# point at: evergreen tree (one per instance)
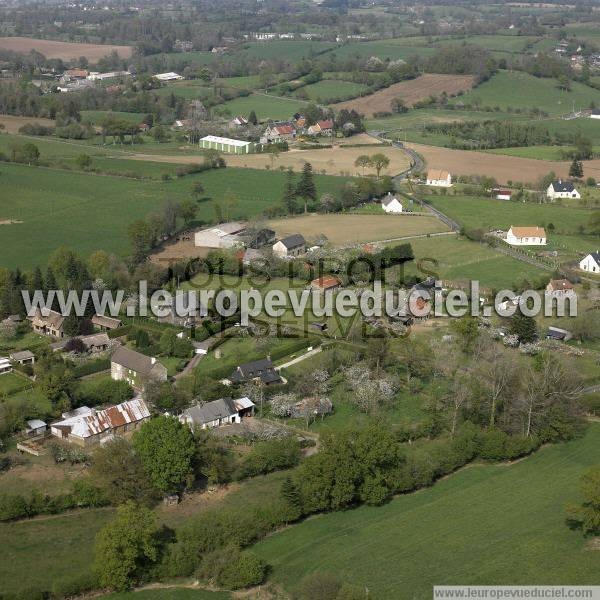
(291, 498)
(252, 118)
(306, 188)
(524, 327)
(37, 282)
(576, 168)
(289, 193)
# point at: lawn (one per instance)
(90, 212)
(11, 383)
(35, 553)
(492, 524)
(521, 90)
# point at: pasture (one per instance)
(410, 91)
(327, 90)
(524, 91)
(264, 105)
(350, 229)
(97, 116)
(458, 259)
(486, 524)
(12, 124)
(31, 550)
(499, 214)
(291, 50)
(394, 49)
(90, 212)
(64, 50)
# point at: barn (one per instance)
(231, 146)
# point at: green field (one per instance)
(495, 43)
(394, 49)
(57, 547)
(97, 116)
(495, 214)
(265, 106)
(521, 90)
(195, 89)
(537, 152)
(327, 89)
(10, 383)
(459, 259)
(291, 50)
(91, 212)
(492, 524)
(246, 82)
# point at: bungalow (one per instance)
(217, 413)
(562, 189)
(229, 145)
(526, 236)
(391, 204)
(106, 323)
(439, 178)
(24, 357)
(258, 370)
(52, 324)
(135, 368)
(86, 426)
(34, 428)
(322, 284)
(555, 333)
(293, 245)
(5, 366)
(502, 194)
(591, 263)
(559, 287)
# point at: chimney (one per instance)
(153, 360)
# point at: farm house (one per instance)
(228, 145)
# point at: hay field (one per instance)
(410, 91)
(348, 229)
(504, 168)
(62, 50)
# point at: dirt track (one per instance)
(410, 91)
(63, 50)
(503, 168)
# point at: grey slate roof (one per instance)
(293, 241)
(563, 186)
(130, 359)
(211, 411)
(263, 368)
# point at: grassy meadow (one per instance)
(521, 90)
(90, 212)
(265, 106)
(487, 524)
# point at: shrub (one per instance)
(231, 568)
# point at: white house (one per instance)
(439, 178)
(595, 114)
(217, 413)
(562, 189)
(591, 263)
(502, 194)
(293, 245)
(391, 204)
(526, 236)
